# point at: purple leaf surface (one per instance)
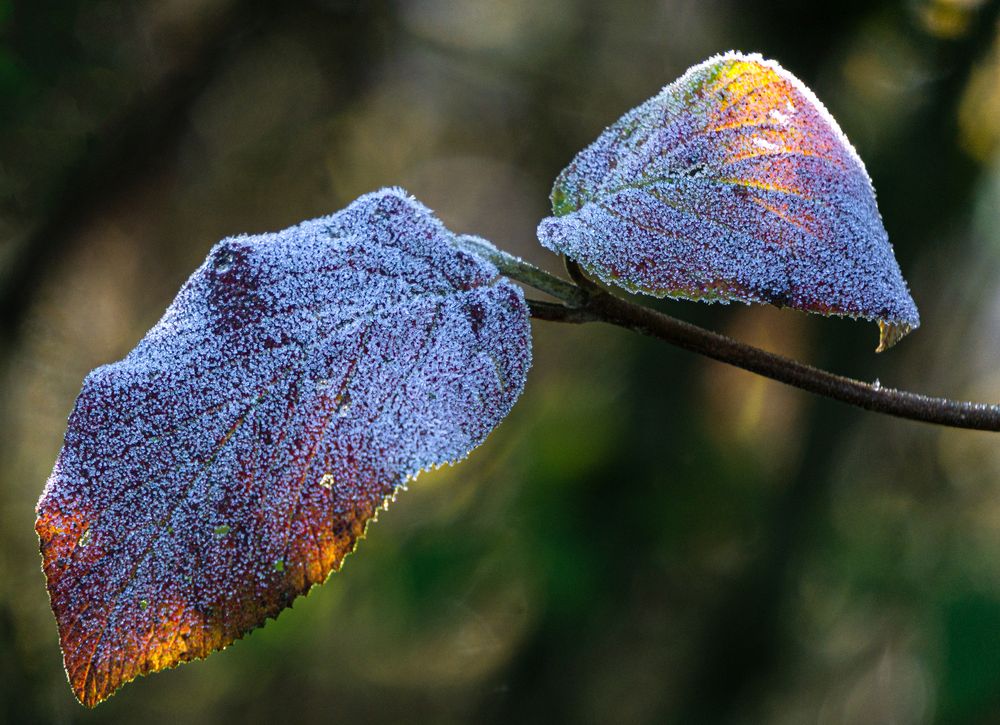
(234, 457)
(733, 183)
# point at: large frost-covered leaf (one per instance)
(733, 183)
(235, 456)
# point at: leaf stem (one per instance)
(521, 271)
(600, 306)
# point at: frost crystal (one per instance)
(215, 473)
(733, 183)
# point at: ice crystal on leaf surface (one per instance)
(235, 456)
(733, 183)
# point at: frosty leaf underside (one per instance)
(734, 183)
(235, 457)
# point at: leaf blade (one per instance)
(732, 184)
(296, 381)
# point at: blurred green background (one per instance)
(649, 537)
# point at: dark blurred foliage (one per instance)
(650, 537)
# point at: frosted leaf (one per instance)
(234, 457)
(733, 183)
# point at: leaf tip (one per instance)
(889, 333)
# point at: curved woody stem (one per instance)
(585, 301)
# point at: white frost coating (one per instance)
(733, 183)
(297, 379)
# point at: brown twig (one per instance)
(600, 306)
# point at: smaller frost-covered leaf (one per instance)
(733, 183)
(235, 456)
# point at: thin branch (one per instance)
(553, 312)
(600, 306)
